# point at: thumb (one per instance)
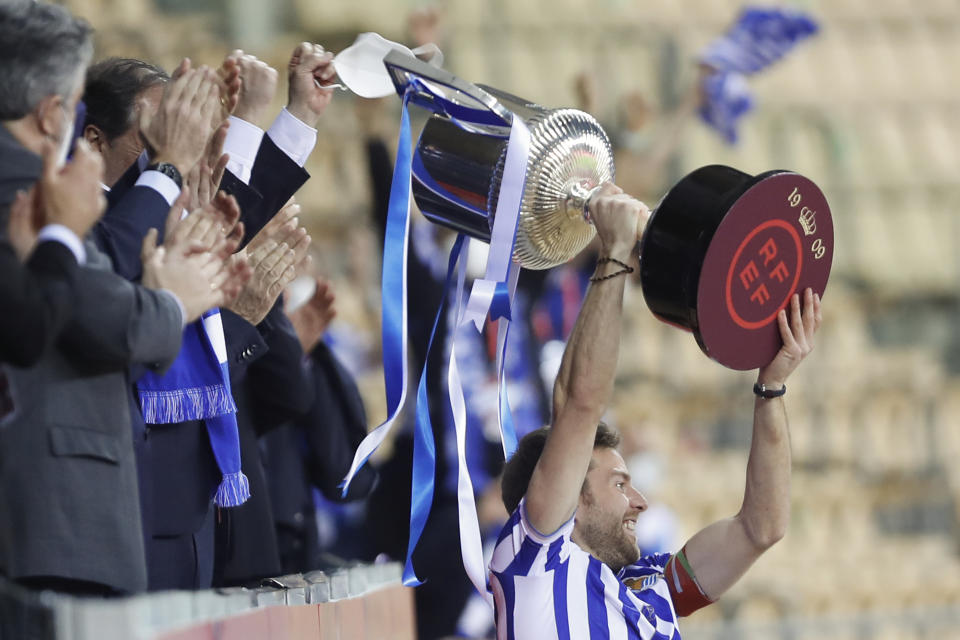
(642, 220)
(175, 213)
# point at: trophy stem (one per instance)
(578, 199)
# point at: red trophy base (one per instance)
(724, 252)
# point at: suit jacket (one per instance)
(180, 501)
(68, 486)
(37, 299)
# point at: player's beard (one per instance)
(605, 535)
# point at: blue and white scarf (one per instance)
(760, 37)
(197, 387)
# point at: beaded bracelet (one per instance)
(626, 269)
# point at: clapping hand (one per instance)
(257, 87)
(193, 261)
(274, 256)
(186, 119)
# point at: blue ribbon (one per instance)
(393, 295)
(508, 431)
(394, 256)
(500, 304)
(424, 447)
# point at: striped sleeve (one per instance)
(522, 550)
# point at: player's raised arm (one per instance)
(585, 380)
(722, 552)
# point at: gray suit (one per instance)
(68, 485)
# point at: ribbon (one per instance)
(471, 542)
(393, 297)
(493, 294)
(497, 295)
(424, 447)
(504, 231)
(508, 432)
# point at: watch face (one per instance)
(168, 170)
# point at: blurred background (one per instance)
(868, 108)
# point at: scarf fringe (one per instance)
(233, 491)
(180, 405)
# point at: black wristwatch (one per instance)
(762, 391)
(168, 170)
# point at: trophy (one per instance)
(722, 253)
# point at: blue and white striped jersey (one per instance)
(547, 587)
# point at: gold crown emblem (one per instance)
(808, 221)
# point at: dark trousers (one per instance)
(182, 561)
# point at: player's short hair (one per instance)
(519, 468)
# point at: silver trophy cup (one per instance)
(459, 161)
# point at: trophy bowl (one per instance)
(457, 175)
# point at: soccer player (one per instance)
(567, 564)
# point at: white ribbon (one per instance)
(504, 224)
(471, 543)
(497, 271)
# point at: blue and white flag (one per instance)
(759, 37)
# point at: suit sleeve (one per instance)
(38, 298)
(249, 200)
(119, 233)
(276, 177)
(118, 323)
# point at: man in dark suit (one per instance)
(178, 511)
(183, 517)
(69, 512)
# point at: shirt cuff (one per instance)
(294, 137)
(160, 183)
(66, 237)
(243, 141)
(183, 310)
